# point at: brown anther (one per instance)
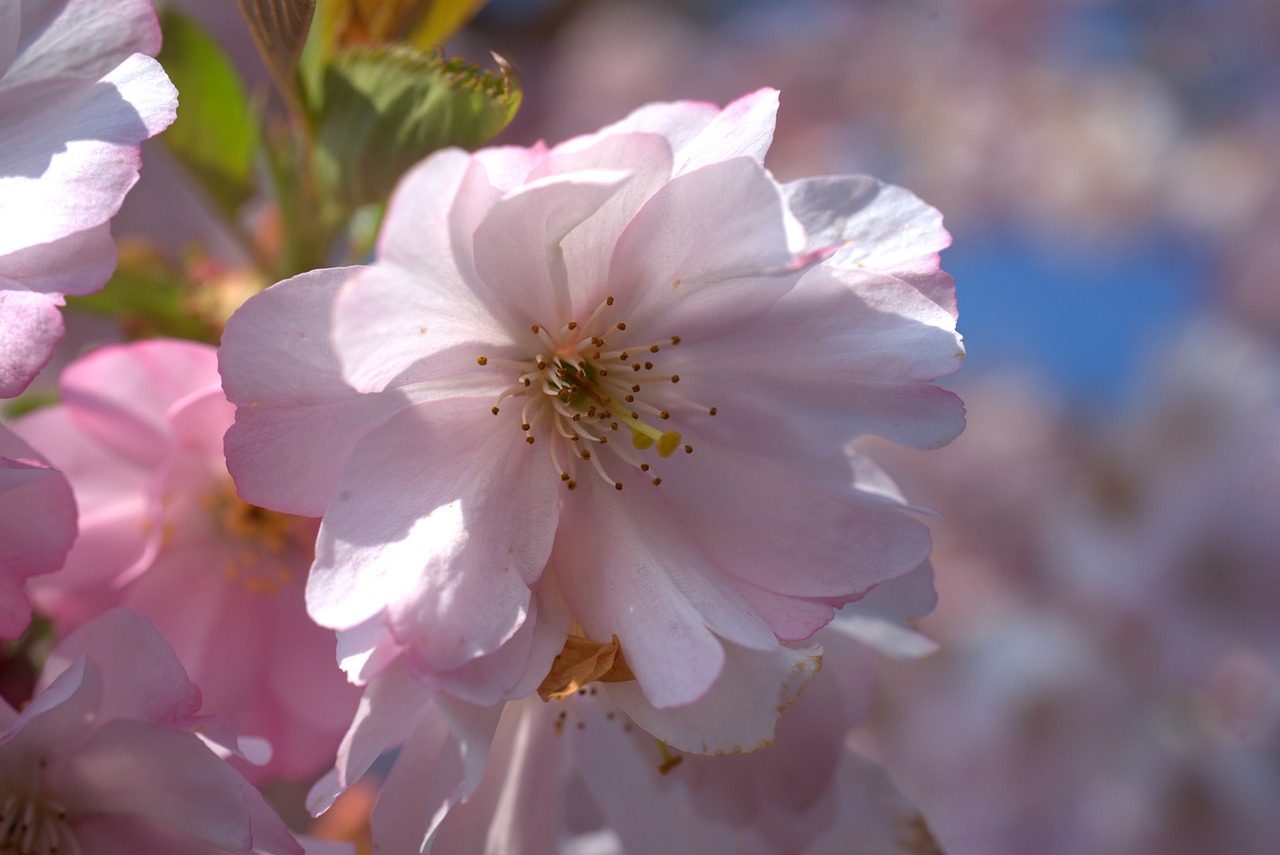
(688, 449)
(482, 360)
(572, 325)
(664, 415)
(644, 467)
(535, 328)
(656, 481)
(525, 426)
(634, 414)
(603, 439)
(585, 454)
(564, 476)
(628, 398)
(624, 356)
(653, 348)
(635, 366)
(542, 366)
(529, 440)
(675, 339)
(495, 411)
(648, 366)
(635, 388)
(613, 425)
(711, 412)
(526, 381)
(675, 378)
(617, 485)
(620, 325)
(571, 484)
(608, 301)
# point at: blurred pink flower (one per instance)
(111, 757)
(139, 436)
(37, 526)
(78, 94)
(485, 415)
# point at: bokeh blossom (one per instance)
(112, 756)
(139, 436)
(79, 92)
(592, 400)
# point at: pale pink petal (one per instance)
(744, 128)
(394, 328)
(276, 348)
(865, 539)
(515, 669)
(73, 155)
(391, 707)
(878, 227)
(518, 242)
(880, 619)
(30, 327)
(118, 531)
(587, 250)
(37, 526)
(142, 677)
(164, 776)
(76, 264)
(739, 711)
(444, 530)
(701, 133)
(121, 395)
(515, 808)
(708, 252)
(63, 714)
(80, 38)
(888, 341)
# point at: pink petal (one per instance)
(142, 677)
(118, 531)
(878, 227)
(80, 38)
(850, 353)
(79, 263)
(37, 526)
(864, 539)
(708, 252)
(121, 394)
(74, 154)
(423, 525)
(163, 776)
(30, 327)
(739, 711)
(290, 455)
(517, 245)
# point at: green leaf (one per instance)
(215, 134)
(386, 108)
(280, 28)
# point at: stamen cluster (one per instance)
(581, 389)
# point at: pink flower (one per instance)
(37, 525)
(78, 94)
(602, 390)
(139, 436)
(111, 757)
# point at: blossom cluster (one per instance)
(562, 470)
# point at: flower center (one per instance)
(265, 546)
(587, 391)
(33, 826)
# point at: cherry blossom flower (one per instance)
(79, 92)
(37, 525)
(591, 401)
(111, 756)
(139, 436)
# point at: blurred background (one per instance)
(1108, 539)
